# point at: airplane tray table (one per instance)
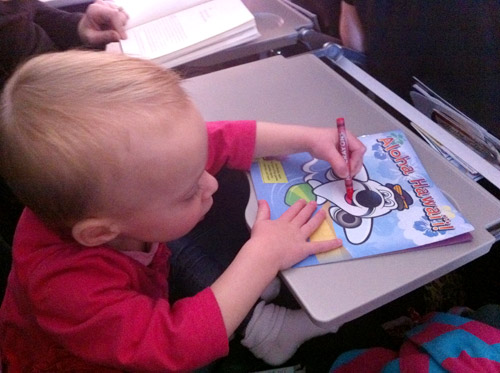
(304, 90)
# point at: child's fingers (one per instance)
(304, 214)
(318, 247)
(293, 210)
(263, 211)
(339, 164)
(313, 223)
(357, 150)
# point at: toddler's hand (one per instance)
(326, 147)
(284, 240)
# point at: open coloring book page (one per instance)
(395, 206)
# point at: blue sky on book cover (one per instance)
(396, 206)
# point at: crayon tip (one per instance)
(348, 196)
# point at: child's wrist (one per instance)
(309, 139)
(264, 257)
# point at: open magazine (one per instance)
(395, 206)
(457, 124)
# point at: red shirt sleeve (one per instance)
(230, 144)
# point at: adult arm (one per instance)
(60, 26)
(102, 23)
(350, 28)
(21, 36)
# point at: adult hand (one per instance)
(103, 22)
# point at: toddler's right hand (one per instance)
(284, 240)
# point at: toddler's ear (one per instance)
(94, 231)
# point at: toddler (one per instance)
(112, 160)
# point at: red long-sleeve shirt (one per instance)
(69, 307)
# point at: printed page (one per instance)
(173, 34)
(144, 11)
(206, 48)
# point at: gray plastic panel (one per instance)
(304, 90)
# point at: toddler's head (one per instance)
(96, 137)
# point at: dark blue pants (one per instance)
(201, 256)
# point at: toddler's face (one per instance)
(168, 191)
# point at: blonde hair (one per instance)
(66, 116)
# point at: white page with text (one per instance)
(172, 34)
(144, 11)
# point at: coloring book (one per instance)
(395, 206)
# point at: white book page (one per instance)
(144, 11)
(203, 50)
(186, 28)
